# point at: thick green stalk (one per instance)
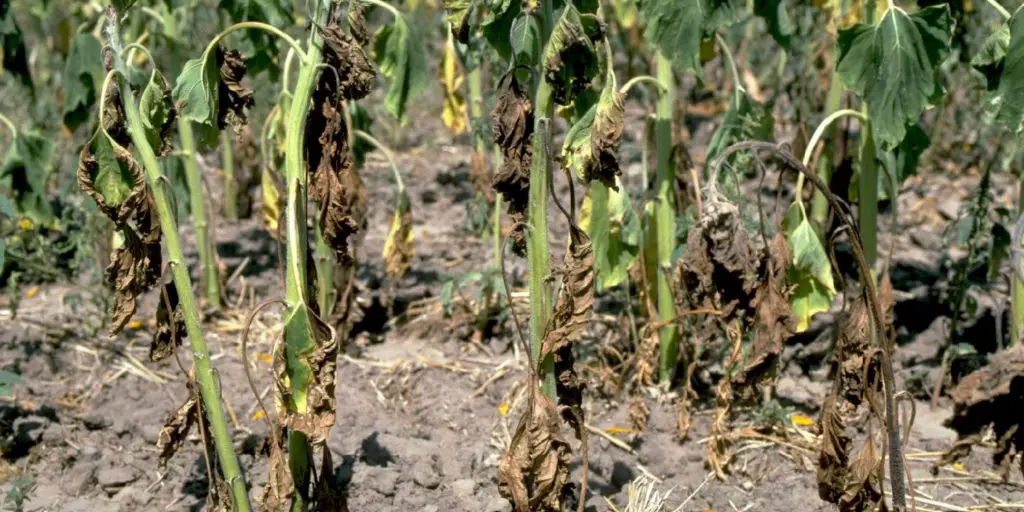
(496, 227)
(819, 208)
(537, 239)
(296, 285)
(1017, 298)
(868, 194)
(476, 107)
(325, 291)
(227, 148)
(204, 242)
(209, 388)
(665, 218)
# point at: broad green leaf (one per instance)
(676, 27)
(497, 32)
(14, 58)
(155, 111)
(7, 379)
(1008, 100)
(614, 228)
(262, 48)
(83, 76)
(114, 180)
(526, 41)
(991, 58)
(746, 119)
(195, 90)
(811, 270)
(399, 51)
(301, 331)
(25, 171)
(893, 64)
(780, 26)
(570, 58)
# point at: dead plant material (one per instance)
(639, 413)
(983, 399)
(346, 56)
(480, 178)
(280, 488)
(512, 125)
(534, 472)
(605, 135)
(318, 419)
(177, 428)
(170, 324)
(399, 249)
(233, 97)
(134, 266)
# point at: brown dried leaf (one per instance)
(534, 472)
(233, 98)
(834, 454)
(176, 428)
(512, 127)
(169, 330)
(280, 487)
(317, 420)
(345, 55)
(863, 489)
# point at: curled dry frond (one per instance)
(176, 428)
(233, 97)
(512, 125)
(345, 54)
(570, 60)
(534, 472)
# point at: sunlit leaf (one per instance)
(811, 270)
(399, 51)
(156, 109)
(1008, 100)
(893, 64)
(398, 247)
(676, 27)
(195, 90)
(454, 111)
(614, 228)
(83, 76)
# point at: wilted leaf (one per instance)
(25, 171)
(343, 53)
(570, 58)
(454, 111)
(811, 270)
(176, 428)
(170, 324)
(158, 114)
(591, 145)
(304, 369)
(398, 248)
(893, 64)
(534, 472)
(270, 203)
(457, 12)
(210, 93)
(676, 27)
(608, 217)
(263, 45)
(512, 127)
(195, 90)
(398, 50)
(83, 77)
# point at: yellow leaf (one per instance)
(398, 248)
(25, 224)
(801, 421)
(618, 430)
(270, 209)
(32, 292)
(265, 357)
(503, 409)
(454, 113)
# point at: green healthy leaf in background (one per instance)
(154, 109)
(526, 41)
(614, 228)
(676, 27)
(780, 26)
(15, 55)
(892, 65)
(1008, 101)
(746, 119)
(398, 50)
(811, 270)
(262, 47)
(83, 76)
(25, 171)
(991, 58)
(195, 91)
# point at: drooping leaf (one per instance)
(534, 472)
(304, 368)
(453, 113)
(195, 90)
(608, 217)
(527, 44)
(811, 270)
(398, 50)
(25, 171)
(780, 26)
(14, 58)
(176, 428)
(746, 119)
(457, 12)
(991, 58)
(512, 125)
(1008, 100)
(676, 27)
(270, 204)
(497, 31)
(157, 109)
(570, 58)
(83, 77)
(591, 145)
(893, 64)
(262, 47)
(398, 247)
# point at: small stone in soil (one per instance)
(381, 480)
(132, 498)
(115, 477)
(424, 474)
(498, 505)
(94, 420)
(463, 488)
(79, 479)
(429, 508)
(54, 433)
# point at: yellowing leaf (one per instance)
(270, 208)
(503, 409)
(398, 248)
(32, 292)
(259, 414)
(454, 112)
(801, 421)
(811, 269)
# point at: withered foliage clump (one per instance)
(170, 324)
(318, 419)
(853, 480)
(512, 125)
(991, 397)
(233, 97)
(177, 427)
(571, 61)
(335, 184)
(604, 140)
(534, 472)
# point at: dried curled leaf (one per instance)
(570, 60)
(170, 324)
(454, 112)
(304, 369)
(982, 399)
(110, 175)
(280, 488)
(398, 248)
(591, 145)
(344, 55)
(156, 105)
(512, 125)
(233, 98)
(534, 472)
(176, 428)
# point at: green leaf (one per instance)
(495, 10)
(526, 41)
(25, 171)
(614, 228)
(398, 50)
(155, 111)
(570, 58)
(456, 12)
(7, 208)
(780, 26)
(991, 58)
(195, 90)
(893, 64)
(113, 180)
(7, 379)
(14, 57)
(497, 32)
(262, 47)
(746, 119)
(676, 27)
(811, 270)
(1008, 101)
(83, 76)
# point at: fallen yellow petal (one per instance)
(259, 414)
(801, 420)
(618, 430)
(265, 357)
(503, 409)
(31, 292)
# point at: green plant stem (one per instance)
(9, 124)
(819, 207)
(665, 218)
(1017, 294)
(204, 242)
(537, 238)
(325, 260)
(227, 144)
(296, 284)
(207, 379)
(476, 106)
(626, 87)
(867, 199)
(496, 227)
(1002, 10)
(826, 124)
